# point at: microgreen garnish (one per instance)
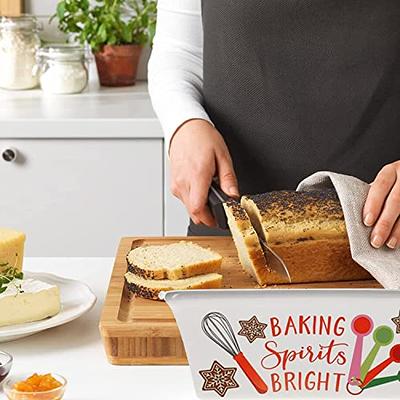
(10, 276)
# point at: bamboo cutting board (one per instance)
(144, 332)
(11, 8)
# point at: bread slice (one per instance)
(173, 261)
(150, 289)
(307, 230)
(246, 240)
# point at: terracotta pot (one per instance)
(117, 65)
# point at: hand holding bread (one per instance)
(382, 208)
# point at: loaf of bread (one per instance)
(173, 261)
(150, 289)
(289, 216)
(246, 240)
(307, 230)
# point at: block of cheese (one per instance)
(11, 248)
(37, 301)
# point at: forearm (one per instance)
(176, 65)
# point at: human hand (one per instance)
(382, 207)
(197, 154)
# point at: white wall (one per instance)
(45, 8)
(40, 7)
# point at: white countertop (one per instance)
(75, 350)
(97, 112)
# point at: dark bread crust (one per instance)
(146, 274)
(142, 291)
(238, 212)
(291, 206)
(287, 216)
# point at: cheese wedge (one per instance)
(11, 248)
(37, 301)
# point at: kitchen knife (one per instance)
(216, 198)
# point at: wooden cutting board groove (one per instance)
(144, 332)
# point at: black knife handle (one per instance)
(216, 198)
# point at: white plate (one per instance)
(76, 300)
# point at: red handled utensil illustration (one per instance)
(383, 336)
(394, 357)
(362, 325)
(217, 327)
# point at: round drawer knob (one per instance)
(9, 154)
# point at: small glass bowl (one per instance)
(5, 365)
(53, 394)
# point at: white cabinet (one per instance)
(77, 197)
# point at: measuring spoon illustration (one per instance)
(383, 336)
(362, 325)
(383, 381)
(394, 357)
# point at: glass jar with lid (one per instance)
(19, 41)
(63, 69)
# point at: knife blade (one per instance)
(216, 198)
(274, 261)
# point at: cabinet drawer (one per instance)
(77, 197)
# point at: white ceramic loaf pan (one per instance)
(297, 344)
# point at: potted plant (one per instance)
(115, 30)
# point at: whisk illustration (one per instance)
(217, 327)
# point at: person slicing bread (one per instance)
(263, 94)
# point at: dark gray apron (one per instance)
(297, 86)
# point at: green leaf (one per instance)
(112, 40)
(61, 10)
(102, 33)
(8, 277)
(19, 275)
(108, 21)
(152, 33)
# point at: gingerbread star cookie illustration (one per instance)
(219, 379)
(396, 321)
(252, 329)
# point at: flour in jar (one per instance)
(63, 69)
(18, 59)
(64, 78)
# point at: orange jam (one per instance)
(37, 383)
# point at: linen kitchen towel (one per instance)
(383, 264)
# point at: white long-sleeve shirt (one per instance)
(175, 70)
